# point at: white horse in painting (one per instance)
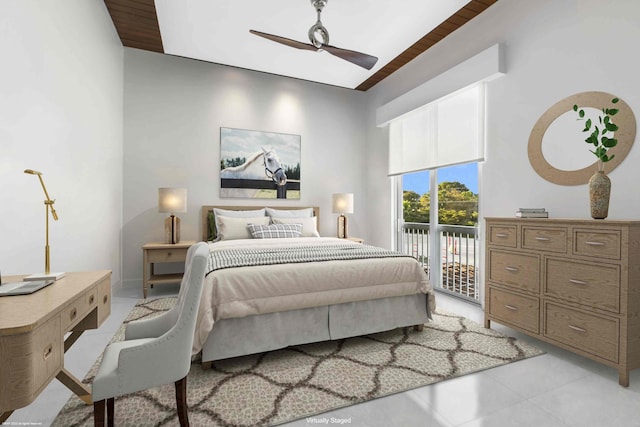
(270, 169)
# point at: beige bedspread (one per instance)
(245, 291)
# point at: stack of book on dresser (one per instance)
(532, 213)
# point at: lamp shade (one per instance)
(172, 200)
(342, 203)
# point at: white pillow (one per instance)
(309, 225)
(254, 213)
(290, 213)
(279, 231)
(240, 214)
(230, 228)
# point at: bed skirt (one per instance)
(265, 332)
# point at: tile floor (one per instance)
(555, 389)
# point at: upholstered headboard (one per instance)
(207, 209)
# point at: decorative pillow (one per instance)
(211, 226)
(309, 225)
(230, 228)
(275, 231)
(254, 213)
(290, 213)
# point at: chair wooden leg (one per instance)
(181, 402)
(110, 412)
(98, 413)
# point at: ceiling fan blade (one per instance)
(358, 58)
(285, 41)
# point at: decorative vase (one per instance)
(599, 191)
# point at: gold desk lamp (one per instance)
(49, 206)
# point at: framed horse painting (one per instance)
(256, 164)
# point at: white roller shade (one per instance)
(411, 143)
(446, 132)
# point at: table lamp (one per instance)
(47, 275)
(342, 204)
(172, 201)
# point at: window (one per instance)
(434, 129)
(458, 195)
(441, 231)
(436, 151)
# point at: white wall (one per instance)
(553, 49)
(174, 108)
(61, 85)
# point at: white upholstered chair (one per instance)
(155, 351)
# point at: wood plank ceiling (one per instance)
(137, 25)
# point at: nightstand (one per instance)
(356, 239)
(154, 253)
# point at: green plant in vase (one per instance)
(601, 135)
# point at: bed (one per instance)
(326, 289)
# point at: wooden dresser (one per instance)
(573, 283)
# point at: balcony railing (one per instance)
(458, 250)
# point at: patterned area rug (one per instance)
(296, 382)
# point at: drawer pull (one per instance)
(91, 299)
(47, 351)
(510, 307)
(168, 253)
(577, 282)
(542, 239)
(502, 235)
(511, 268)
(577, 329)
(594, 243)
(105, 299)
(73, 314)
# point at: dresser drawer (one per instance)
(545, 239)
(593, 285)
(588, 332)
(515, 309)
(600, 244)
(503, 235)
(104, 299)
(521, 271)
(28, 362)
(75, 312)
(48, 356)
(167, 255)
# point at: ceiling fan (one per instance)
(319, 38)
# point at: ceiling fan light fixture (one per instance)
(319, 4)
(319, 38)
(318, 35)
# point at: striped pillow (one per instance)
(275, 230)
